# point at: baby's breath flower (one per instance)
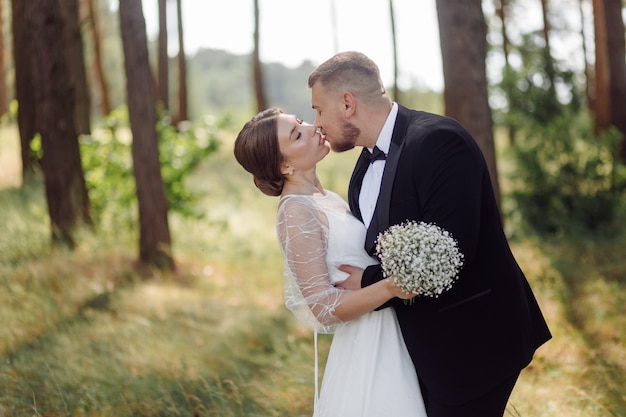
(422, 258)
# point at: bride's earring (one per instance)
(291, 171)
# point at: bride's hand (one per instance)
(397, 291)
(353, 282)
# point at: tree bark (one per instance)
(24, 84)
(66, 192)
(396, 90)
(76, 66)
(4, 103)
(463, 36)
(549, 62)
(101, 80)
(616, 50)
(602, 110)
(154, 240)
(501, 11)
(163, 67)
(589, 95)
(259, 88)
(502, 8)
(183, 113)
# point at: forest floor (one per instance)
(87, 333)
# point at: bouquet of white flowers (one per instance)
(422, 258)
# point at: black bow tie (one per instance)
(375, 155)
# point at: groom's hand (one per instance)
(353, 282)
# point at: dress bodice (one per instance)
(346, 235)
(317, 234)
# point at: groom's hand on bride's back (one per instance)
(353, 282)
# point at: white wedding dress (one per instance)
(368, 372)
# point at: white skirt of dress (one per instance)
(369, 372)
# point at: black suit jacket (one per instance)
(488, 326)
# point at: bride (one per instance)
(368, 371)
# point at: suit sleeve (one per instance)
(450, 174)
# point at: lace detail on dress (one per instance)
(303, 232)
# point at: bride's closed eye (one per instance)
(299, 121)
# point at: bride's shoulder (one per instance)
(298, 205)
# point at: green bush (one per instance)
(107, 162)
(567, 179)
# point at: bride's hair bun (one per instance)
(256, 149)
(268, 187)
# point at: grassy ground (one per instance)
(86, 334)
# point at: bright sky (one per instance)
(296, 30)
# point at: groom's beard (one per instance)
(350, 135)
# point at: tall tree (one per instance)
(501, 11)
(66, 192)
(587, 70)
(547, 52)
(76, 66)
(154, 240)
(463, 37)
(183, 113)
(163, 67)
(602, 87)
(24, 84)
(259, 88)
(105, 100)
(616, 48)
(508, 81)
(396, 90)
(4, 104)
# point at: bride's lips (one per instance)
(322, 136)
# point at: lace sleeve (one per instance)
(302, 229)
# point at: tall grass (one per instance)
(86, 333)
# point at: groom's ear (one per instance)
(349, 104)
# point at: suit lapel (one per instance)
(380, 219)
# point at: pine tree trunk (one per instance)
(76, 66)
(101, 80)
(4, 104)
(587, 71)
(183, 112)
(24, 84)
(602, 109)
(463, 35)
(66, 192)
(154, 240)
(163, 67)
(396, 90)
(617, 68)
(259, 88)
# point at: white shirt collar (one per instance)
(384, 138)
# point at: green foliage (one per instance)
(180, 153)
(567, 180)
(108, 166)
(536, 91)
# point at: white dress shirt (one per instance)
(374, 174)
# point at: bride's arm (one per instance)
(303, 233)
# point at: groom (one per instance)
(470, 344)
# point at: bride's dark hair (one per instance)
(256, 149)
